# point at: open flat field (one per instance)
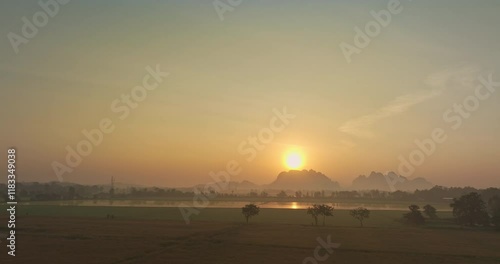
(144, 235)
(281, 216)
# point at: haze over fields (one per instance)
(250, 131)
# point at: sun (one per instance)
(294, 160)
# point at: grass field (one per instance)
(54, 234)
(283, 216)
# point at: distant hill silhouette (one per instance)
(303, 180)
(312, 180)
(379, 181)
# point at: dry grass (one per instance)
(96, 240)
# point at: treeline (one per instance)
(65, 191)
(468, 210)
(435, 194)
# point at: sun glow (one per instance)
(293, 160)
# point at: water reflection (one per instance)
(231, 204)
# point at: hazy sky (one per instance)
(226, 77)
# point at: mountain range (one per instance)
(389, 182)
(312, 180)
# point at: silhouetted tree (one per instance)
(360, 213)
(314, 211)
(112, 189)
(325, 210)
(250, 210)
(430, 211)
(71, 192)
(414, 216)
(470, 210)
(282, 194)
(494, 207)
(253, 194)
(320, 209)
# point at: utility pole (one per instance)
(112, 190)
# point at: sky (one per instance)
(225, 73)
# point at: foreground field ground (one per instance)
(219, 236)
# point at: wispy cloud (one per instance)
(460, 76)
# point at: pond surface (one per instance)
(233, 204)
